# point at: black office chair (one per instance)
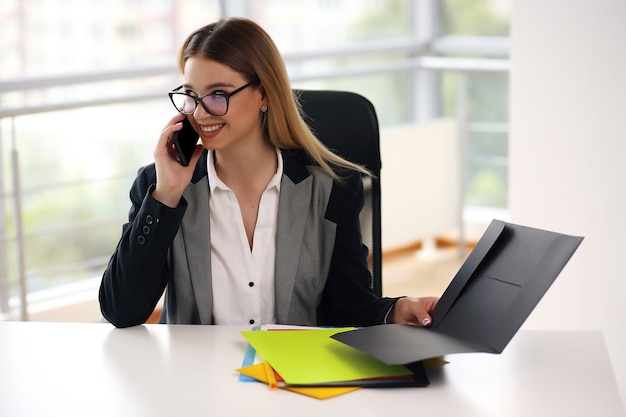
(347, 124)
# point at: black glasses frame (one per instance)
(199, 100)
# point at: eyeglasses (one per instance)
(214, 103)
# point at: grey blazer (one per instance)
(321, 274)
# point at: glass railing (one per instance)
(70, 147)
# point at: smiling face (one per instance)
(241, 125)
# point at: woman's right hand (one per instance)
(172, 177)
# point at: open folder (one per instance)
(493, 293)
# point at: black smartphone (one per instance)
(185, 141)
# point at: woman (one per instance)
(262, 225)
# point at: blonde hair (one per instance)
(244, 46)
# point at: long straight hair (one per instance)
(244, 46)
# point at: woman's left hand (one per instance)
(413, 310)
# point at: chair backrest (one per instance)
(347, 124)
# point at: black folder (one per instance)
(492, 294)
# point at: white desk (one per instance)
(72, 369)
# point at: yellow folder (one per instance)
(259, 372)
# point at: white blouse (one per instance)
(243, 279)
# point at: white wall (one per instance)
(568, 156)
(430, 152)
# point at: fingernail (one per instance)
(425, 322)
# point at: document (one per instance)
(493, 293)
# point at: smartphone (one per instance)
(185, 141)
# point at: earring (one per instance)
(264, 108)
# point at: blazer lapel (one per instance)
(293, 210)
(195, 228)
(196, 237)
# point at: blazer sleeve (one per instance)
(137, 272)
(347, 298)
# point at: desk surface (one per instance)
(72, 369)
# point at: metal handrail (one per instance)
(432, 63)
(31, 83)
(490, 47)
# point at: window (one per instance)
(71, 212)
(480, 29)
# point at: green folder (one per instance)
(312, 357)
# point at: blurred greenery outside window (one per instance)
(487, 96)
(71, 227)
